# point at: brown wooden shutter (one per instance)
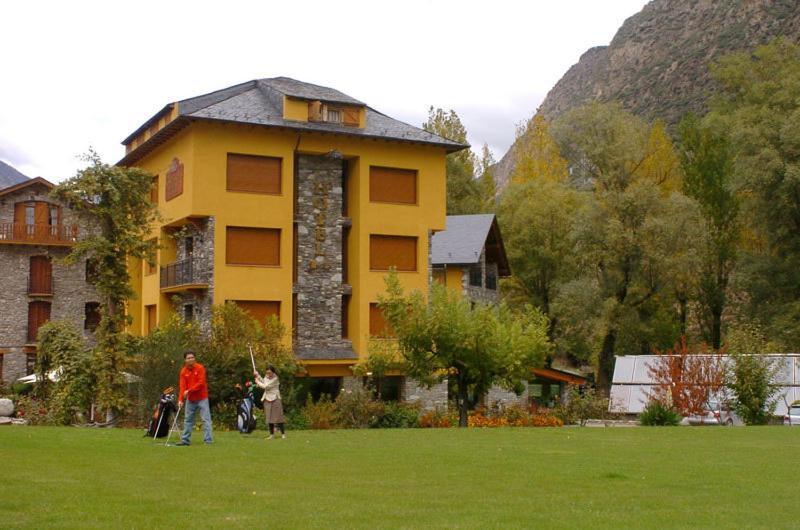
(378, 327)
(19, 213)
(392, 185)
(392, 251)
(174, 184)
(41, 275)
(350, 116)
(260, 310)
(252, 246)
(255, 174)
(38, 315)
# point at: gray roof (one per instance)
(260, 102)
(462, 240)
(9, 175)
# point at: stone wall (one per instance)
(500, 397)
(202, 236)
(318, 214)
(434, 398)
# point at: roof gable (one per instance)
(38, 181)
(465, 237)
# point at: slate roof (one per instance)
(462, 240)
(10, 175)
(260, 102)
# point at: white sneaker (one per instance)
(270, 437)
(283, 436)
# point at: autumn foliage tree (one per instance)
(686, 379)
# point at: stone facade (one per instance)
(434, 398)
(70, 293)
(319, 287)
(201, 301)
(499, 397)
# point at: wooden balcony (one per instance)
(38, 234)
(180, 276)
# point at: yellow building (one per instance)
(290, 199)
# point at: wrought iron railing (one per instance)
(178, 273)
(37, 233)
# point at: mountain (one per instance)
(657, 64)
(9, 175)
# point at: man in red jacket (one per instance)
(194, 390)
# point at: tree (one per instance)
(115, 202)
(757, 104)
(537, 154)
(63, 348)
(486, 182)
(445, 337)
(463, 193)
(687, 379)
(630, 231)
(537, 217)
(707, 160)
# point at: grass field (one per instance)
(414, 478)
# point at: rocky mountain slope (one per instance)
(657, 63)
(9, 175)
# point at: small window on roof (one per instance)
(334, 116)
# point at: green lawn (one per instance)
(447, 478)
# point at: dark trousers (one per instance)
(280, 426)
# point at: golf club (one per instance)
(174, 423)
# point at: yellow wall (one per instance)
(453, 275)
(203, 147)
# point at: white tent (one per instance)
(54, 375)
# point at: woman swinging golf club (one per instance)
(273, 407)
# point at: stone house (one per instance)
(36, 232)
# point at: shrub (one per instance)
(322, 414)
(21, 389)
(437, 419)
(33, 410)
(356, 409)
(751, 380)
(582, 404)
(297, 420)
(658, 414)
(223, 416)
(397, 415)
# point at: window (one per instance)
(378, 327)
(38, 315)
(392, 251)
(254, 174)
(260, 310)
(476, 276)
(188, 312)
(154, 190)
(91, 271)
(30, 363)
(392, 185)
(91, 317)
(252, 246)
(345, 308)
(1, 366)
(40, 279)
(53, 217)
(491, 277)
(334, 116)
(150, 321)
(386, 388)
(188, 246)
(151, 263)
(30, 214)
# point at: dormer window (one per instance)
(334, 116)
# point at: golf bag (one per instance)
(160, 420)
(245, 413)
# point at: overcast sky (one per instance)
(78, 74)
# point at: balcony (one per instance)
(181, 276)
(37, 234)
